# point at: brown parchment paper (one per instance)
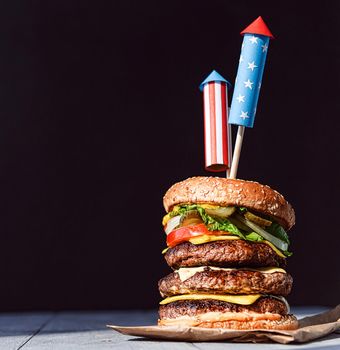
(310, 328)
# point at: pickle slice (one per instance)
(256, 219)
(222, 212)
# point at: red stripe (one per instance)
(224, 124)
(212, 122)
(205, 132)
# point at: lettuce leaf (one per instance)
(254, 237)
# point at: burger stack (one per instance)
(227, 245)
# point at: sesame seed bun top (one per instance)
(231, 192)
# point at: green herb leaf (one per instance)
(276, 230)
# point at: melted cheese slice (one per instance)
(187, 272)
(211, 238)
(165, 219)
(235, 299)
(276, 250)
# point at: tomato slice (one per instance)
(185, 233)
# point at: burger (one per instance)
(227, 245)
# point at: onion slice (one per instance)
(266, 235)
(172, 224)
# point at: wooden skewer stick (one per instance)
(237, 152)
(227, 173)
(230, 149)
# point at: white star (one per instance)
(242, 45)
(253, 39)
(244, 115)
(264, 47)
(241, 59)
(248, 84)
(252, 66)
(260, 85)
(240, 98)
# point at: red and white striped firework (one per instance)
(217, 131)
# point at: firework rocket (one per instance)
(217, 132)
(248, 81)
(249, 74)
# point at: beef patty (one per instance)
(195, 307)
(227, 282)
(224, 254)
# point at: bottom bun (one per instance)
(287, 322)
(266, 313)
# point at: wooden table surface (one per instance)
(86, 330)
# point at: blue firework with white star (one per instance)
(248, 79)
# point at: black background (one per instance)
(100, 113)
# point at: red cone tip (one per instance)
(258, 27)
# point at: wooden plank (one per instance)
(84, 330)
(17, 329)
